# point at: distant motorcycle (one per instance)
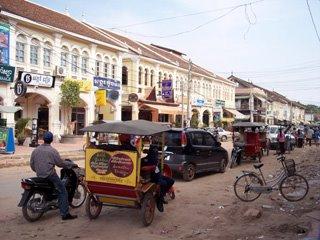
(40, 195)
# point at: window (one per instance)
(196, 138)
(146, 77)
(74, 63)
(46, 57)
(84, 65)
(173, 139)
(64, 59)
(160, 80)
(163, 117)
(98, 68)
(113, 71)
(208, 140)
(20, 48)
(140, 75)
(124, 75)
(34, 54)
(151, 78)
(106, 69)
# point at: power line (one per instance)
(314, 25)
(184, 15)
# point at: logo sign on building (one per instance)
(35, 79)
(106, 83)
(199, 102)
(4, 43)
(20, 88)
(166, 89)
(220, 103)
(101, 99)
(113, 95)
(6, 73)
(133, 97)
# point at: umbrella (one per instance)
(134, 127)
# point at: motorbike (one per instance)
(40, 195)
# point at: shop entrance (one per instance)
(126, 113)
(145, 115)
(78, 117)
(43, 118)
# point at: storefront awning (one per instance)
(9, 109)
(238, 115)
(260, 98)
(163, 109)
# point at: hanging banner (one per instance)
(167, 89)
(116, 167)
(101, 99)
(4, 43)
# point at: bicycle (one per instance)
(293, 187)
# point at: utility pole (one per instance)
(188, 94)
(182, 104)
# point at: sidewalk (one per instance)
(22, 154)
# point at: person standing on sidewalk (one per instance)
(43, 161)
(281, 141)
(309, 136)
(317, 136)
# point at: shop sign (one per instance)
(133, 97)
(101, 99)
(106, 83)
(6, 140)
(220, 103)
(36, 79)
(6, 73)
(111, 167)
(20, 88)
(4, 43)
(199, 102)
(166, 85)
(113, 95)
(85, 85)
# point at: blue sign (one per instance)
(106, 83)
(199, 102)
(6, 140)
(4, 43)
(166, 88)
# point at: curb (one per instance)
(22, 161)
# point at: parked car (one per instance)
(194, 151)
(224, 135)
(273, 131)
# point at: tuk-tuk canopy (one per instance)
(134, 127)
(248, 124)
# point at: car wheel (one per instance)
(189, 172)
(224, 138)
(223, 166)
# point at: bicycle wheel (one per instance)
(243, 187)
(294, 188)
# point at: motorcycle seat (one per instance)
(258, 165)
(40, 181)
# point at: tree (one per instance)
(194, 122)
(70, 93)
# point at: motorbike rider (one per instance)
(43, 161)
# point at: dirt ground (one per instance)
(205, 208)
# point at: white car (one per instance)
(272, 136)
(224, 135)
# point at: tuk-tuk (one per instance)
(247, 142)
(114, 175)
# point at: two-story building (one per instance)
(47, 47)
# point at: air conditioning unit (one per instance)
(61, 71)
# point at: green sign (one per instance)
(6, 73)
(220, 103)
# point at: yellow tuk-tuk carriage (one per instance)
(114, 175)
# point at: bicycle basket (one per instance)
(290, 166)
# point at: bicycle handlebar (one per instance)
(281, 158)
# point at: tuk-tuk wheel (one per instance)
(148, 208)
(93, 207)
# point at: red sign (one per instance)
(121, 165)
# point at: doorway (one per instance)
(78, 116)
(43, 118)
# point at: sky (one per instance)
(272, 43)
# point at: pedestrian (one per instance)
(317, 136)
(43, 161)
(281, 141)
(309, 135)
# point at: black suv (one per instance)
(194, 151)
